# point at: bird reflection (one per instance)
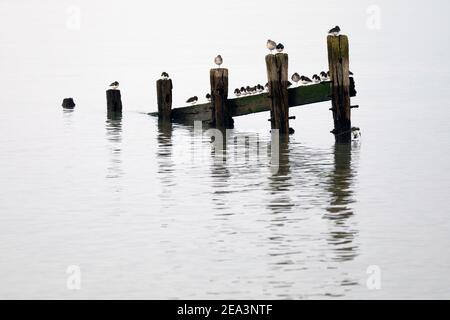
(342, 231)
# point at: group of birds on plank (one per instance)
(271, 45)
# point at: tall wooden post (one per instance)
(114, 100)
(277, 75)
(221, 115)
(338, 61)
(164, 96)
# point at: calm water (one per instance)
(133, 205)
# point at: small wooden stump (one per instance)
(114, 100)
(277, 75)
(68, 103)
(338, 61)
(221, 115)
(164, 96)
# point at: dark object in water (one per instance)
(68, 103)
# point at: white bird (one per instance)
(271, 45)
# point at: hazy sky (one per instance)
(76, 46)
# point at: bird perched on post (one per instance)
(296, 78)
(218, 60)
(208, 96)
(305, 80)
(164, 76)
(192, 100)
(335, 31)
(316, 78)
(114, 85)
(271, 45)
(243, 91)
(237, 92)
(280, 47)
(323, 76)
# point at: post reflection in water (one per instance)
(280, 182)
(115, 170)
(342, 232)
(220, 173)
(166, 165)
(114, 136)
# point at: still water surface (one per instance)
(129, 202)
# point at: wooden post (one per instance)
(68, 103)
(277, 75)
(114, 100)
(164, 96)
(338, 61)
(221, 115)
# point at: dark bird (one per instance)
(164, 76)
(266, 86)
(192, 100)
(243, 91)
(271, 45)
(249, 90)
(260, 88)
(305, 80)
(218, 60)
(237, 92)
(280, 47)
(335, 31)
(296, 78)
(114, 85)
(316, 78)
(350, 73)
(208, 96)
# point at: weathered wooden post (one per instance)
(114, 100)
(338, 61)
(221, 115)
(277, 75)
(164, 96)
(68, 103)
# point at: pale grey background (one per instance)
(142, 222)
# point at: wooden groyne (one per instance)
(297, 96)
(220, 110)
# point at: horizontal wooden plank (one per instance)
(241, 106)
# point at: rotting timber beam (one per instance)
(297, 96)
